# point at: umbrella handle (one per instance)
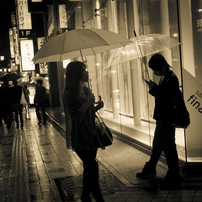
(100, 98)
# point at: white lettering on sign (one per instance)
(23, 15)
(27, 53)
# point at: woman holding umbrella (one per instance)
(80, 126)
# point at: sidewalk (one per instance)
(34, 159)
(125, 160)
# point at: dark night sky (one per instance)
(6, 6)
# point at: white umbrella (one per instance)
(141, 46)
(78, 43)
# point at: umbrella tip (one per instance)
(135, 33)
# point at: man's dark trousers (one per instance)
(164, 140)
(43, 109)
(18, 111)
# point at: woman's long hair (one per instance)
(74, 73)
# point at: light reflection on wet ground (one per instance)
(70, 187)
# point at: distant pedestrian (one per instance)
(80, 126)
(27, 99)
(5, 104)
(26, 90)
(164, 136)
(40, 101)
(1, 108)
(16, 91)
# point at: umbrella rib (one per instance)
(81, 55)
(93, 51)
(115, 57)
(100, 37)
(63, 48)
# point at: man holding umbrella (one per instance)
(164, 136)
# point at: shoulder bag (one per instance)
(182, 117)
(22, 99)
(104, 136)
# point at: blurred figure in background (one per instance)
(1, 112)
(27, 99)
(40, 101)
(5, 104)
(16, 92)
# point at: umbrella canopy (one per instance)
(78, 43)
(141, 46)
(10, 77)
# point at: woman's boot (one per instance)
(93, 171)
(85, 197)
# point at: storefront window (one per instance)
(192, 74)
(128, 108)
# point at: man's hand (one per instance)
(150, 84)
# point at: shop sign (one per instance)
(50, 24)
(27, 53)
(63, 16)
(13, 20)
(199, 25)
(25, 33)
(11, 43)
(24, 16)
(40, 42)
(36, 0)
(16, 46)
(193, 101)
(43, 67)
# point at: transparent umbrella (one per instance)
(141, 46)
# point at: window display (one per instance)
(128, 107)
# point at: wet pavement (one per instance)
(36, 166)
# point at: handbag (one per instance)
(22, 99)
(181, 114)
(104, 136)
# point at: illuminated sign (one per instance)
(24, 16)
(193, 100)
(40, 42)
(25, 33)
(37, 0)
(16, 46)
(13, 20)
(11, 43)
(27, 53)
(199, 25)
(50, 24)
(43, 67)
(63, 16)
